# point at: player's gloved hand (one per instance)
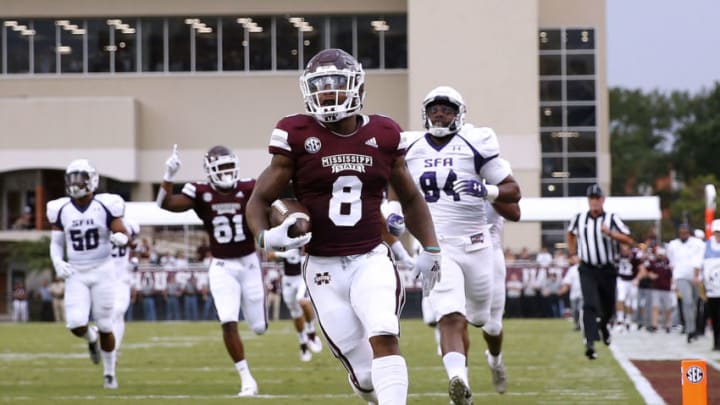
(427, 264)
(277, 238)
(119, 239)
(63, 269)
(470, 187)
(172, 165)
(402, 258)
(396, 224)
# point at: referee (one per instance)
(593, 239)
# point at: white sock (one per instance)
(303, 337)
(244, 371)
(454, 363)
(118, 331)
(310, 327)
(91, 335)
(494, 361)
(390, 379)
(620, 315)
(108, 359)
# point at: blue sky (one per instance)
(663, 44)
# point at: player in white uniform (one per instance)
(294, 294)
(85, 225)
(123, 267)
(456, 166)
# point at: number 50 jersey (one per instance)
(87, 230)
(470, 154)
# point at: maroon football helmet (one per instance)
(333, 85)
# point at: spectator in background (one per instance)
(560, 259)
(272, 285)
(19, 303)
(25, 220)
(172, 294)
(524, 255)
(571, 285)
(509, 256)
(513, 297)
(43, 293)
(148, 299)
(555, 306)
(57, 291)
(544, 258)
(711, 280)
(686, 254)
(190, 303)
(663, 302)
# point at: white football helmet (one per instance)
(222, 167)
(444, 94)
(333, 85)
(81, 178)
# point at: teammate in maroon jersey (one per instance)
(340, 162)
(663, 299)
(629, 262)
(234, 273)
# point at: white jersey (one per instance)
(470, 154)
(87, 232)
(121, 254)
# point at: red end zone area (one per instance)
(665, 378)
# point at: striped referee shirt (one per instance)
(593, 247)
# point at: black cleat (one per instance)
(590, 353)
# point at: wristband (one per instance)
(492, 192)
(168, 177)
(160, 197)
(432, 249)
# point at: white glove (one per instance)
(119, 239)
(292, 255)
(277, 238)
(427, 264)
(402, 258)
(63, 269)
(172, 165)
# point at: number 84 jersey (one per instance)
(472, 153)
(87, 229)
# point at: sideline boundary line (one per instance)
(641, 383)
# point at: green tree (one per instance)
(639, 126)
(688, 206)
(697, 141)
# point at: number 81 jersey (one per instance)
(223, 217)
(470, 154)
(87, 230)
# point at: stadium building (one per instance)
(120, 82)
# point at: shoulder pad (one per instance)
(113, 202)
(483, 139)
(53, 208)
(412, 136)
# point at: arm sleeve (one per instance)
(57, 246)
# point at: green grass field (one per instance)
(181, 362)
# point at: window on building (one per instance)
(197, 43)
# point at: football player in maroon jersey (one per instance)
(340, 162)
(235, 274)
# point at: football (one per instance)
(280, 209)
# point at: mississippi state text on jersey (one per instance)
(471, 153)
(223, 217)
(340, 179)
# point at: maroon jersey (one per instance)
(340, 179)
(661, 267)
(629, 265)
(223, 217)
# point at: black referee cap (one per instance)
(595, 191)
